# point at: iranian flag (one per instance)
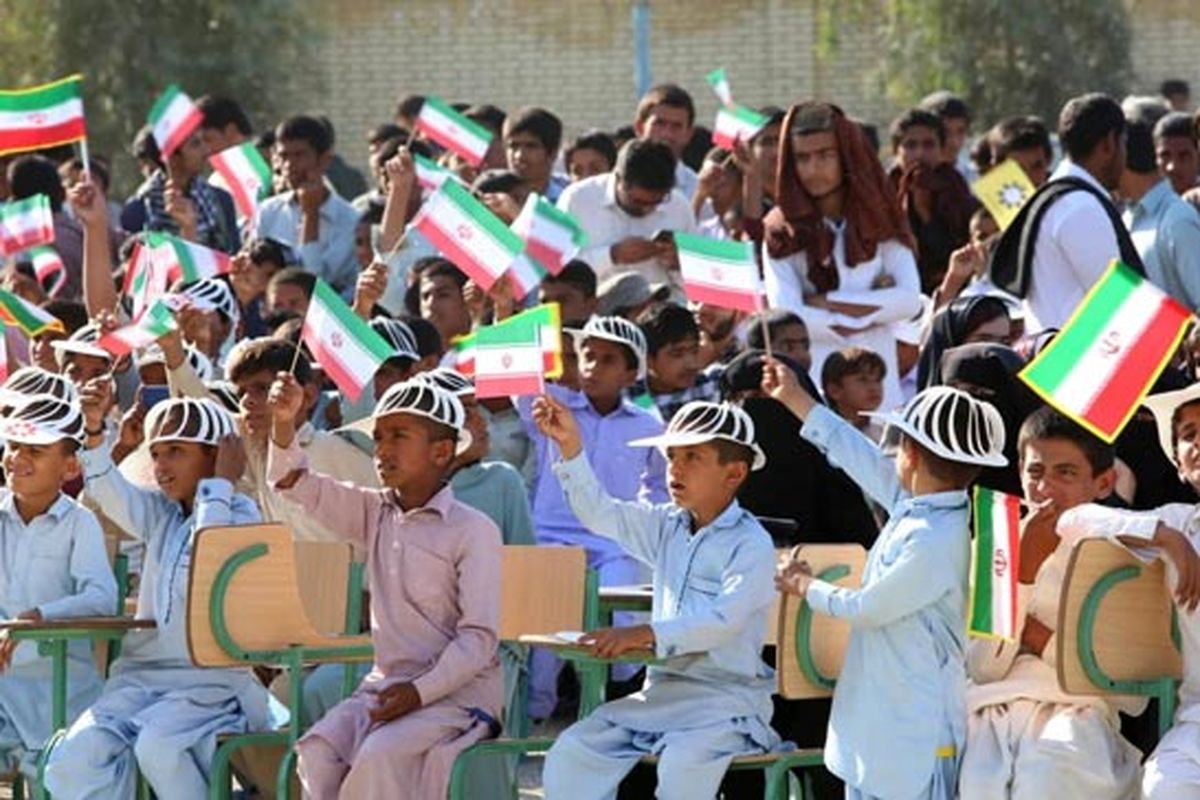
(25, 224)
(719, 273)
(509, 361)
(44, 116)
(1108, 355)
(172, 120)
(994, 565)
(737, 123)
(245, 173)
(552, 236)
(545, 320)
(49, 268)
(430, 174)
(32, 320)
(342, 342)
(185, 260)
(525, 274)
(157, 321)
(468, 233)
(720, 86)
(453, 131)
(146, 273)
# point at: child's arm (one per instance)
(638, 528)
(476, 635)
(351, 511)
(217, 502)
(746, 594)
(843, 445)
(95, 588)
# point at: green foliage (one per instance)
(256, 51)
(1005, 56)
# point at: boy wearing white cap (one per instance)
(899, 710)
(713, 562)
(52, 565)
(158, 713)
(1171, 532)
(434, 567)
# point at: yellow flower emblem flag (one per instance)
(1003, 190)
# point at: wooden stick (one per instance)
(766, 331)
(87, 162)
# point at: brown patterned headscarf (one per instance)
(870, 209)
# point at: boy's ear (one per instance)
(443, 452)
(325, 160)
(736, 473)
(1105, 482)
(73, 468)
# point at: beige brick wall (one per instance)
(576, 56)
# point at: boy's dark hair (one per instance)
(848, 361)
(266, 250)
(1086, 121)
(269, 354)
(372, 216)
(1174, 86)
(409, 106)
(664, 325)
(982, 155)
(1018, 133)
(776, 319)
(381, 133)
(72, 314)
(222, 111)
(391, 146)
(1047, 423)
(265, 140)
(646, 164)
(577, 274)
(539, 123)
(29, 175)
(429, 267)
(665, 94)
(1175, 124)
(299, 277)
(1139, 149)
(728, 452)
(99, 169)
(498, 181)
(429, 340)
(916, 118)
(487, 115)
(143, 147)
(312, 130)
(596, 140)
(946, 105)
(774, 115)
(955, 473)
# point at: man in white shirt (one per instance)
(666, 114)
(623, 212)
(314, 221)
(1077, 239)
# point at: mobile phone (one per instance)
(663, 236)
(153, 394)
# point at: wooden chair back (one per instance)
(542, 590)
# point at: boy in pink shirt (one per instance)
(434, 564)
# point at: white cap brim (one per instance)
(897, 421)
(64, 346)
(367, 426)
(1163, 406)
(665, 440)
(578, 335)
(26, 432)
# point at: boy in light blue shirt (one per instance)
(710, 700)
(53, 565)
(898, 724)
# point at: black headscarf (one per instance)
(950, 328)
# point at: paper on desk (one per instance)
(570, 637)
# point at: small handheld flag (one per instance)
(552, 236)
(546, 319)
(25, 224)
(508, 361)
(1103, 362)
(737, 124)
(720, 86)
(1003, 190)
(245, 173)
(342, 342)
(430, 174)
(157, 321)
(465, 231)
(453, 131)
(42, 116)
(49, 268)
(32, 320)
(994, 565)
(719, 273)
(172, 119)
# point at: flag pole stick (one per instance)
(295, 358)
(87, 161)
(766, 331)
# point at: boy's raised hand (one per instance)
(369, 288)
(556, 422)
(780, 383)
(96, 400)
(286, 399)
(793, 575)
(89, 205)
(231, 459)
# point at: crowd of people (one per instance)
(682, 445)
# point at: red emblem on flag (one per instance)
(717, 274)
(336, 339)
(506, 360)
(464, 232)
(999, 564)
(37, 118)
(1110, 345)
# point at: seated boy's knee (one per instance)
(559, 768)
(70, 762)
(154, 752)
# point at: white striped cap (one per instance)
(201, 364)
(29, 381)
(81, 342)
(614, 329)
(225, 394)
(1164, 405)
(449, 379)
(953, 425)
(216, 294)
(702, 421)
(44, 419)
(424, 400)
(188, 419)
(397, 334)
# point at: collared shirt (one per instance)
(893, 266)
(707, 386)
(435, 582)
(555, 186)
(626, 473)
(496, 489)
(1075, 244)
(412, 249)
(713, 591)
(686, 180)
(331, 255)
(148, 515)
(1166, 232)
(57, 564)
(901, 694)
(593, 202)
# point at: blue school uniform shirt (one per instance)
(627, 473)
(713, 591)
(900, 701)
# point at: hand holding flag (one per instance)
(172, 119)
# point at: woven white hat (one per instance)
(953, 425)
(201, 364)
(29, 381)
(200, 420)
(44, 419)
(81, 342)
(397, 334)
(1163, 406)
(614, 329)
(449, 379)
(701, 421)
(423, 399)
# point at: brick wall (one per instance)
(576, 56)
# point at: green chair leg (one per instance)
(220, 783)
(18, 787)
(458, 773)
(283, 782)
